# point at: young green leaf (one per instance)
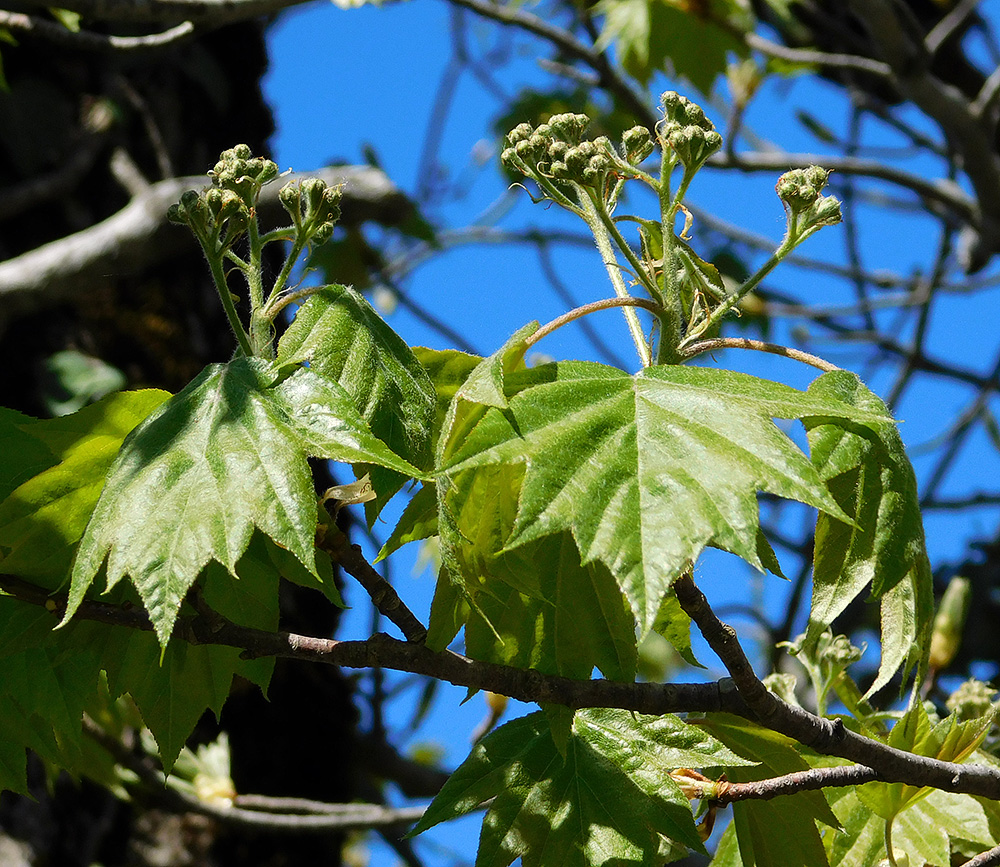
(948, 740)
(610, 800)
(648, 470)
(225, 455)
(345, 340)
(928, 831)
(43, 519)
(871, 478)
(21, 454)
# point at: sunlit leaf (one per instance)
(870, 476)
(648, 470)
(344, 339)
(225, 455)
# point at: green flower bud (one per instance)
(243, 173)
(568, 127)
(949, 622)
(687, 131)
(800, 192)
(637, 143)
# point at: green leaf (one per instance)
(78, 379)
(948, 740)
(665, 36)
(871, 478)
(448, 369)
(552, 614)
(611, 800)
(21, 454)
(42, 521)
(223, 456)
(648, 470)
(927, 832)
(345, 340)
(779, 833)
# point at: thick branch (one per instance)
(829, 737)
(744, 695)
(138, 237)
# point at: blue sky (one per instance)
(341, 80)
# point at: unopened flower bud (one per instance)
(949, 622)
(637, 144)
(972, 700)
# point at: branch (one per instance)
(292, 815)
(139, 237)
(829, 737)
(743, 695)
(818, 58)
(383, 594)
(800, 781)
(515, 16)
(87, 40)
(972, 139)
(211, 12)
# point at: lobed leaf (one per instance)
(42, 521)
(645, 471)
(345, 340)
(225, 455)
(608, 799)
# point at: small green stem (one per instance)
(605, 248)
(760, 346)
(219, 277)
(640, 272)
(277, 303)
(672, 320)
(716, 315)
(261, 331)
(298, 245)
(586, 310)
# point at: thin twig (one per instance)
(760, 346)
(587, 309)
(818, 58)
(800, 781)
(383, 594)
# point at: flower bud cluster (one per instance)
(800, 192)
(243, 173)
(313, 206)
(556, 150)
(210, 213)
(972, 700)
(219, 215)
(687, 131)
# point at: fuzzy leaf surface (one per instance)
(646, 471)
(610, 800)
(345, 340)
(871, 478)
(225, 455)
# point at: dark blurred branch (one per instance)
(85, 40)
(138, 236)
